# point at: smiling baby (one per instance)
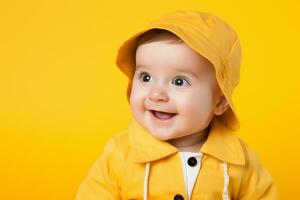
(182, 141)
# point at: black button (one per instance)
(178, 197)
(192, 161)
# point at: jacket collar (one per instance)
(222, 143)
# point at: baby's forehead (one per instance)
(171, 58)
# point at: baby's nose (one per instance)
(158, 94)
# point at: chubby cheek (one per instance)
(195, 106)
(137, 98)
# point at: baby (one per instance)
(182, 140)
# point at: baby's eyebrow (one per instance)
(138, 66)
(188, 72)
(141, 66)
(176, 69)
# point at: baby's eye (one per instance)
(145, 77)
(180, 82)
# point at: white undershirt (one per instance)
(190, 172)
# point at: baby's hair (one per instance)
(158, 35)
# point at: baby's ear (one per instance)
(221, 106)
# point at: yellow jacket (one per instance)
(135, 165)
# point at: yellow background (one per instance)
(62, 95)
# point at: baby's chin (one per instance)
(163, 134)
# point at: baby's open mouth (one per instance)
(162, 115)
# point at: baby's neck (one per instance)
(193, 148)
(190, 143)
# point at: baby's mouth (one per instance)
(162, 115)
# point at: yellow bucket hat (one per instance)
(208, 35)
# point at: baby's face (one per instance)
(173, 78)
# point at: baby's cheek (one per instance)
(196, 107)
(137, 95)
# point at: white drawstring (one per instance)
(146, 177)
(225, 195)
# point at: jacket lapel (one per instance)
(145, 147)
(222, 143)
